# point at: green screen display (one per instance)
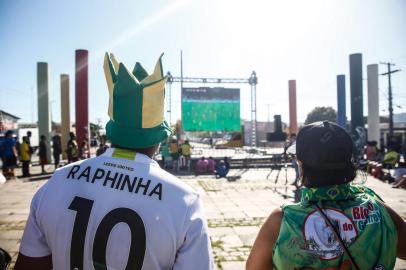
(211, 109)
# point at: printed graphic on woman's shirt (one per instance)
(320, 238)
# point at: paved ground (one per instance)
(235, 210)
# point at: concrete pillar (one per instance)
(65, 113)
(341, 118)
(357, 109)
(81, 97)
(373, 103)
(292, 107)
(44, 119)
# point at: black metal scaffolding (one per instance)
(252, 81)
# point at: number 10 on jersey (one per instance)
(83, 207)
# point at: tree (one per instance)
(321, 114)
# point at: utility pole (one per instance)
(390, 94)
(180, 131)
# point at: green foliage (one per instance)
(321, 114)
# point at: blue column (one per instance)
(341, 118)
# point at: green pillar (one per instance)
(44, 119)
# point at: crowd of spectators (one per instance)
(389, 165)
(14, 153)
(177, 158)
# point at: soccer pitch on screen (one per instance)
(211, 109)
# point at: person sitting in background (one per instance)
(390, 159)
(211, 165)
(227, 164)
(221, 170)
(201, 166)
(400, 174)
(25, 156)
(401, 183)
(43, 153)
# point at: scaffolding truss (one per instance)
(252, 81)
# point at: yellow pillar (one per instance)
(65, 113)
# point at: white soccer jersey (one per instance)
(110, 212)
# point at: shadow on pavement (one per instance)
(36, 177)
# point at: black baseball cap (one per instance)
(323, 145)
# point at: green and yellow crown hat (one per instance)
(136, 104)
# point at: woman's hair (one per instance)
(314, 177)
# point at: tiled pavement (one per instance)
(235, 210)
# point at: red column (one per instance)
(292, 107)
(82, 96)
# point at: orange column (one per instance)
(292, 107)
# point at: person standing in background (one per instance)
(84, 152)
(56, 149)
(9, 155)
(166, 156)
(29, 134)
(25, 156)
(43, 159)
(102, 148)
(186, 149)
(174, 150)
(72, 148)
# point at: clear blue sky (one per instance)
(309, 41)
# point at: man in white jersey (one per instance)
(119, 210)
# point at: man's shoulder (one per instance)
(171, 180)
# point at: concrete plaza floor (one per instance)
(235, 210)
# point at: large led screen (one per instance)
(211, 109)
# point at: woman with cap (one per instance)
(337, 224)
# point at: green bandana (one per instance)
(357, 212)
(335, 193)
